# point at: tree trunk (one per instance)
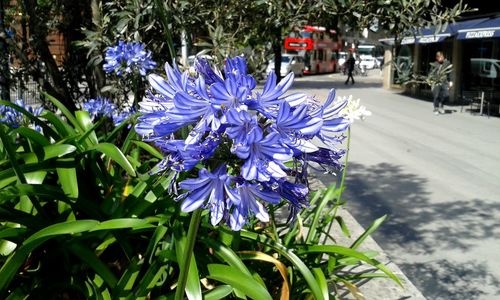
(56, 86)
(98, 72)
(277, 52)
(4, 58)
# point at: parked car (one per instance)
(289, 63)
(369, 62)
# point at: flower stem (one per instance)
(344, 172)
(342, 181)
(188, 253)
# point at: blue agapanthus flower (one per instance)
(100, 107)
(123, 116)
(14, 118)
(127, 58)
(241, 140)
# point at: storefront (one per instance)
(473, 47)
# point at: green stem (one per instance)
(344, 172)
(342, 181)
(188, 253)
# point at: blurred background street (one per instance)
(437, 177)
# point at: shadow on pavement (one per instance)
(416, 226)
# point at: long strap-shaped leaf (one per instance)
(239, 280)
(348, 252)
(15, 261)
(291, 256)
(64, 110)
(115, 154)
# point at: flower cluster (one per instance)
(128, 57)
(99, 107)
(252, 144)
(102, 107)
(14, 118)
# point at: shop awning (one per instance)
(429, 35)
(423, 39)
(489, 28)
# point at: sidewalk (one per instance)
(377, 288)
(437, 179)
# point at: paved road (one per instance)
(438, 180)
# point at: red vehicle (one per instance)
(317, 46)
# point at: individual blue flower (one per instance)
(296, 194)
(181, 157)
(128, 57)
(269, 100)
(178, 103)
(212, 188)
(100, 107)
(328, 159)
(264, 157)
(123, 116)
(228, 94)
(249, 193)
(333, 121)
(211, 75)
(241, 126)
(235, 70)
(297, 127)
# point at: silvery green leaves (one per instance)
(238, 138)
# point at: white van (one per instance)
(289, 63)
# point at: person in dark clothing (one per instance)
(440, 81)
(350, 63)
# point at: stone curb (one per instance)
(376, 288)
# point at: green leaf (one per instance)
(94, 262)
(64, 110)
(148, 148)
(42, 191)
(129, 277)
(63, 128)
(51, 151)
(120, 224)
(288, 254)
(68, 181)
(86, 124)
(220, 292)
(32, 135)
(226, 254)
(329, 195)
(239, 280)
(46, 129)
(343, 226)
(321, 279)
(348, 252)
(70, 227)
(368, 231)
(115, 154)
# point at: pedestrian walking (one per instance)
(440, 81)
(350, 63)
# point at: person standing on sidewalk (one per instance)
(350, 63)
(440, 81)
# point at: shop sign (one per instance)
(479, 34)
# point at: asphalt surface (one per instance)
(436, 177)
